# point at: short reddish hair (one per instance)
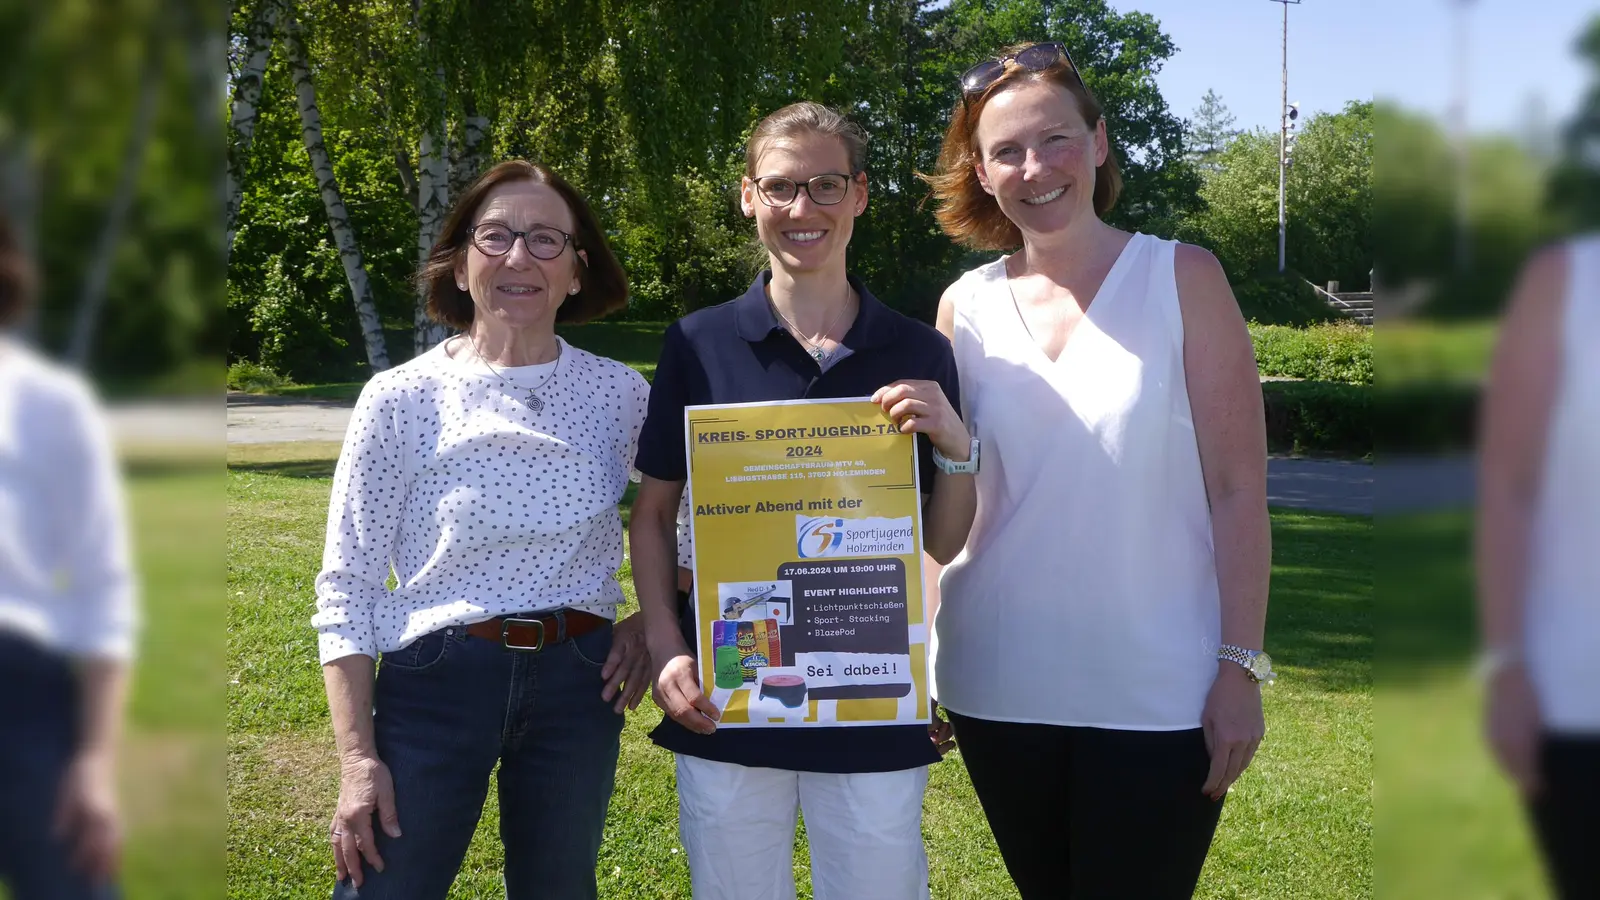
(968, 213)
(602, 285)
(16, 277)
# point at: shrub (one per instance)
(1426, 416)
(1332, 352)
(1282, 300)
(251, 377)
(300, 332)
(1421, 351)
(1318, 418)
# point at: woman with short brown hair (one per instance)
(485, 474)
(602, 285)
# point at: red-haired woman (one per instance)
(1098, 643)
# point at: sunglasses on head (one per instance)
(1034, 58)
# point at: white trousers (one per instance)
(865, 832)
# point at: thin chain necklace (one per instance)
(532, 399)
(817, 351)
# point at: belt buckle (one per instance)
(505, 634)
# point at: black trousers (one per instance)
(1566, 814)
(1089, 813)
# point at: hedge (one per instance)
(1326, 419)
(1426, 416)
(1332, 352)
(1318, 418)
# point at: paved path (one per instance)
(256, 419)
(185, 423)
(1424, 483)
(1325, 485)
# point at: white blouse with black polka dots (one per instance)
(481, 506)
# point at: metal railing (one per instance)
(1364, 314)
(1335, 299)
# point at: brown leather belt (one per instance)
(534, 633)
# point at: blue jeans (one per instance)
(38, 733)
(446, 709)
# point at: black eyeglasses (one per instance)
(1035, 58)
(542, 241)
(824, 190)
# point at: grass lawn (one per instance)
(1449, 826)
(173, 781)
(1298, 825)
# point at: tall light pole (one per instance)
(1458, 127)
(1285, 124)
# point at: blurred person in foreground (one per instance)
(1538, 556)
(67, 619)
(486, 473)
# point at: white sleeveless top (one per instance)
(1563, 601)
(1087, 592)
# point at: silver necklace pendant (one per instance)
(819, 354)
(532, 400)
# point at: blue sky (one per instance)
(1342, 50)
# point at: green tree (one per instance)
(1575, 184)
(1210, 130)
(103, 126)
(1328, 200)
(644, 113)
(1329, 197)
(284, 228)
(1239, 222)
(1414, 228)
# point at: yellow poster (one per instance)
(808, 564)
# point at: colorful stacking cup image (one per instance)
(725, 655)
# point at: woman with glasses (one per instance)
(806, 328)
(485, 474)
(1098, 640)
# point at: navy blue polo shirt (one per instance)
(738, 352)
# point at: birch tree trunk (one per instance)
(205, 41)
(436, 187)
(433, 202)
(408, 175)
(344, 234)
(92, 301)
(466, 156)
(245, 108)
